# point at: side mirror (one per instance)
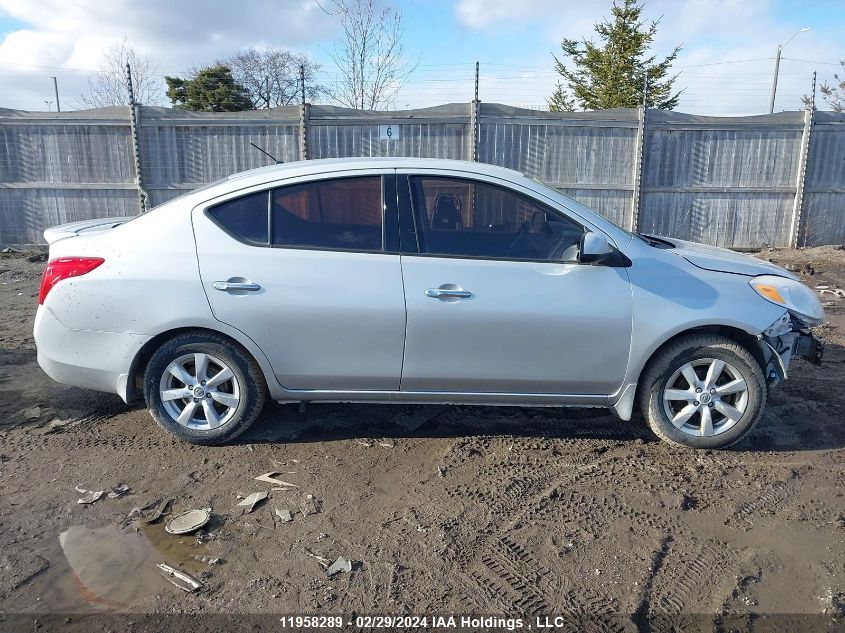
(595, 248)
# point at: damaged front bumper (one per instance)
(783, 340)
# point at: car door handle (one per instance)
(445, 293)
(226, 286)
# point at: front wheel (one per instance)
(703, 391)
(203, 388)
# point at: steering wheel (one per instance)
(523, 230)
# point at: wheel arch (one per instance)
(742, 337)
(627, 397)
(135, 380)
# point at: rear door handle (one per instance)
(227, 286)
(441, 293)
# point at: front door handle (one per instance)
(227, 286)
(447, 293)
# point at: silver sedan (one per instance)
(413, 280)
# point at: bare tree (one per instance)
(272, 76)
(370, 55)
(108, 86)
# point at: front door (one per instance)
(302, 270)
(497, 301)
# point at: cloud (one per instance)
(178, 33)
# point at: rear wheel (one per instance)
(703, 391)
(203, 388)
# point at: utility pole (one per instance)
(775, 81)
(56, 91)
(777, 68)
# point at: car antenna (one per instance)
(277, 161)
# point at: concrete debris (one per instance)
(310, 505)
(340, 565)
(184, 581)
(252, 501)
(271, 478)
(88, 496)
(836, 292)
(119, 490)
(188, 522)
(386, 444)
(209, 560)
(283, 514)
(160, 510)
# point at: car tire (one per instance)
(698, 372)
(203, 388)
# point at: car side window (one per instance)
(460, 217)
(244, 217)
(344, 213)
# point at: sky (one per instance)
(725, 67)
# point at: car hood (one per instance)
(725, 261)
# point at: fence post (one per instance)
(304, 119)
(134, 118)
(304, 116)
(797, 225)
(474, 124)
(474, 131)
(637, 178)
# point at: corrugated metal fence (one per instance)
(739, 182)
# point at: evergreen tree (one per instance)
(610, 73)
(211, 89)
(834, 93)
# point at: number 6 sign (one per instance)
(388, 132)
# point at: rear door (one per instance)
(306, 269)
(497, 299)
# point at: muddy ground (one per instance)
(441, 509)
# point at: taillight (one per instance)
(65, 268)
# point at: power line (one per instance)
(810, 61)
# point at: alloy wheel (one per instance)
(199, 391)
(705, 397)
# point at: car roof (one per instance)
(329, 165)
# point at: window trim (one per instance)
(415, 212)
(388, 215)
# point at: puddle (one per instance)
(175, 550)
(109, 568)
(112, 567)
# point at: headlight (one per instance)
(792, 295)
